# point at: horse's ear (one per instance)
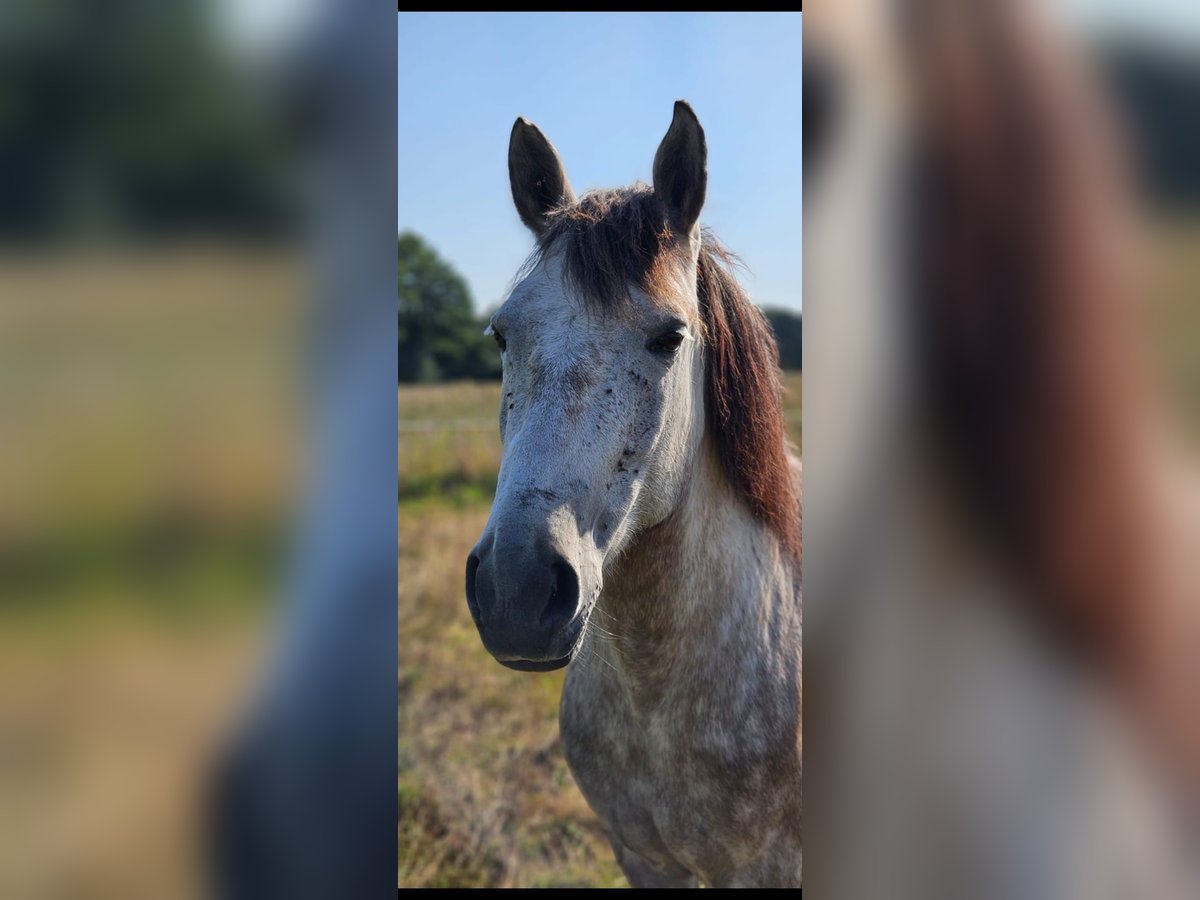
(539, 182)
(681, 171)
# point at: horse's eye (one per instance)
(665, 343)
(500, 342)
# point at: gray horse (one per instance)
(646, 527)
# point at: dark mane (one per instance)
(744, 394)
(613, 239)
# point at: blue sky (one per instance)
(601, 87)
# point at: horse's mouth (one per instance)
(544, 665)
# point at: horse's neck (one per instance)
(708, 588)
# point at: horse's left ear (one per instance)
(681, 171)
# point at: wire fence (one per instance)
(439, 454)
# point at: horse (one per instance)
(1002, 584)
(646, 528)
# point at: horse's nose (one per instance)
(523, 600)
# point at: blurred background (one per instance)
(1002, 476)
(485, 795)
(159, 258)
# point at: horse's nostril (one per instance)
(564, 595)
(472, 602)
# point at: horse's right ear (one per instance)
(539, 182)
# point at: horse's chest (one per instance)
(692, 796)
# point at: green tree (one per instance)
(789, 335)
(441, 338)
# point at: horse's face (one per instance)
(601, 413)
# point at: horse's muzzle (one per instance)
(525, 603)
